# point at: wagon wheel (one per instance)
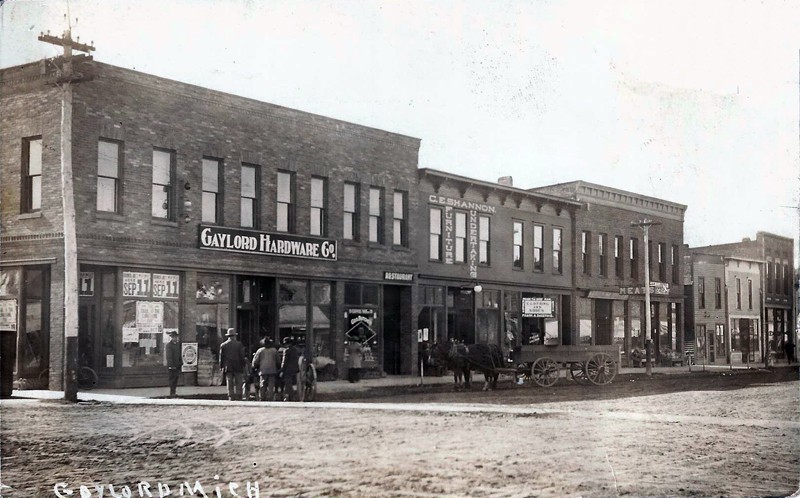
(544, 372)
(601, 369)
(310, 384)
(577, 370)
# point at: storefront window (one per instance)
(511, 318)
(32, 344)
(618, 317)
(585, 320)
(212, 294)
(637, 334)
(9, 290)
(431, 318)
(150, 310)
(488, 326)
(321, 319)
(664, 338)
(292, 310)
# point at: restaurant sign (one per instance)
(266, 243)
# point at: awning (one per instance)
(616, 296)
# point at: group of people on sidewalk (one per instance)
(271, 369)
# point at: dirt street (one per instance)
(731, 441)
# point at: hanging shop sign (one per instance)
(189, 356)
(399, 277)
(537, 307)
(8, 314)
(266, 243)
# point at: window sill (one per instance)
(401, 248)
(29, 216)
(376, 245)
(164, 223)
(350, 242)
(103, 215)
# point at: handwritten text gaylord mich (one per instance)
(159, 490)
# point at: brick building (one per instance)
(774, 292)
(513, 246)
(609, 269)
(199, 210)
(723, 311)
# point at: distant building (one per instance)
(759, 301)
(609, 273)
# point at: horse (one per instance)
(462, 359)
(450, 357)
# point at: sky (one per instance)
(692, 102)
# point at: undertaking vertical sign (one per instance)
(472, 241)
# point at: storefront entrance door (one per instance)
(255, 318)
(392, 318)
(461, 315)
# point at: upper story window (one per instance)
(558, 263)
(399, 219)
(212, 181)
(538, 248)
(701, 292)
(319, 206)
(662, 262)
(675, 267)
(31, 174)
(351, 205)
(768, 279)
(484, 239)
(633, 254)
(738, 293)
(718, 293)
(163, 205)
(249, 197)
(749, 294)
(376, 215)
(518, 245)
(461, 237)
(435, 240)
(618, 256)
(108, 168)
(586, 255)
(284, 220)
(602, 242)
(787, 285)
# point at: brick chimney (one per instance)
(506, 181)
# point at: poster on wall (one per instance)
(135, 284)
(86, 283)
(189, 356)
(130, 334)
(165, 285)
(149, 317)
(8, 314)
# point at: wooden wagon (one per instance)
(586, 364)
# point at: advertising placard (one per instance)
(537, 307)
(165, 285)
(8, 314)
(86, 283)
(189, 355)
(135, 284)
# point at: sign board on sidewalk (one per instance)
(189, 355)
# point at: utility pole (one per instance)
(645, 225)
(65, 80)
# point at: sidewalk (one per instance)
(336, 386)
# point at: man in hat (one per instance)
(232, 361)
(173, 350)
(290, 367)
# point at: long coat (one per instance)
(265, 361)
(354, 351)
(174, 355)
(232, 357)
(291, 362)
